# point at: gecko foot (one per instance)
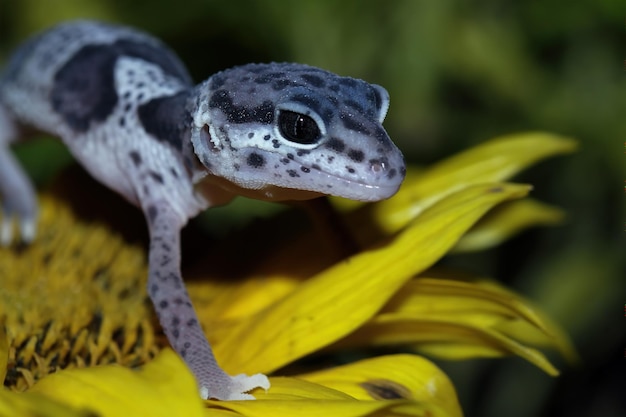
(236, 388)
(27, 229)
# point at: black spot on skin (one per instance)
(250, 135)
(255, 160)
(153, 290)
(314, 80)
(290, 156)
(276, 143)
(176, 333)
(382, 138)
(266, 137)
(174, 173)
(175, 321)
(354, 105)
(269, 77)
(83, 89)
(122, 122)
(392, 173)
(187, 345)
(264, 113)
(305, 170)
(349, 123)
(280, 84)
(152, 213)
(315, 166)
(134, 155)
(302, 152)
(349, 82)
(293, 173)
(179, 301)
(157, 177)
(183, 353)
(336, 145)
(285, 161)
(192, 322)
(167, 119)
(308, 101)
(163, 304)
(356, 155)
(350, 170)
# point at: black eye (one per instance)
(298, 127)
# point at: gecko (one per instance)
(128, 111)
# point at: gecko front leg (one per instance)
(177, 316)
(17, 194)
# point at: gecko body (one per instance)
(127, 109)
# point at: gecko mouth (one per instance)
(377, 182)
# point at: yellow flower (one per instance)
(76, 298)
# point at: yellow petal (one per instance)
(340, 299)
(392, 377)
(164, 387)
(505, 221)
(493, 161)
(457, 319)
(316, 408)
(36, 405)
(300, 389)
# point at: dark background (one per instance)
(458, 73)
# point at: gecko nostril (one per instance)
(377, 167)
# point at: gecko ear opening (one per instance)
(382, 101)
(204, 144)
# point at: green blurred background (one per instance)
(458, 73)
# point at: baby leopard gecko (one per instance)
(126, 108)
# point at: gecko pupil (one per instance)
(298, 128)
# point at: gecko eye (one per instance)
(298, 128)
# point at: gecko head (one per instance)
(292, 131)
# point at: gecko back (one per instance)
(62, 79)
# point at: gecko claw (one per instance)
(237, 388)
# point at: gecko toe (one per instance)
(27, 229)
(237, 388)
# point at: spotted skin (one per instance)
(126, 108)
